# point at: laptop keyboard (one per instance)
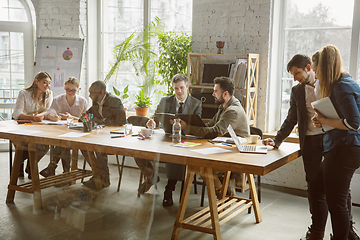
(248, 148)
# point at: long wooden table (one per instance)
(157, 148)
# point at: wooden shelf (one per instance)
(53, 180)
(249, 102)
(227, 208)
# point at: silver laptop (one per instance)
(245, 148)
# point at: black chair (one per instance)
(138, 120)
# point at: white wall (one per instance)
(244, 26)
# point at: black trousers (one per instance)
(338, 169)
(312, 158)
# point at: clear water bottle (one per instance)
(176, 131)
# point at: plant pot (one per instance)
(141, 111)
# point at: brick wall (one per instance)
(62, 18)
(245, 27)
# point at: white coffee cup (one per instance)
(146, 132)
(254, 138)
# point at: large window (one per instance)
(15, 50)
(120, 18)
(310, 25)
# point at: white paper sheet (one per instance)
(212, 150)
(47, 122)
(74, 134)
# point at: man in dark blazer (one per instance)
(310, 138)
(107, 110)
(181, 102)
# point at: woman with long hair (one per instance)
(33, 101)
(32, 104)
(64, 106)
(341, 144)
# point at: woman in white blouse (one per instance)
(64, 106)
(32, 104)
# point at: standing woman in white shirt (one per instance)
(32, 104)
(64, 106)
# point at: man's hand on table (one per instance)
(268, 141)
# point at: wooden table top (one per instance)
(157, 147)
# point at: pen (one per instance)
(226, 144)
(211, 142)
(119, 136)
(55, 113)
(81, 110)
(83, 113)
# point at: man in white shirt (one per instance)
(310, 138)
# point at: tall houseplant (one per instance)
(135, 48)
(124, 95)
(173, 50)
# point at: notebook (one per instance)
(164, 119)
(326, 107)
(245, 148)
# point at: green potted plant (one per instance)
(173, 50)
(142, 102)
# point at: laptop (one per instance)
(245, 148)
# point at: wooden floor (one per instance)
(122, 215)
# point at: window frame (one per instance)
(27, 28)
(273, 121)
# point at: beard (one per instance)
(219, 101)
(95, 100)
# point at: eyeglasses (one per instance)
(71, 90)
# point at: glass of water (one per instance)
(128, 128)
(69, 122)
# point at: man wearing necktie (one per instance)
(181, 102)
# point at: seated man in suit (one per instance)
(230, 112)
(181, 102)
(107, 110)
